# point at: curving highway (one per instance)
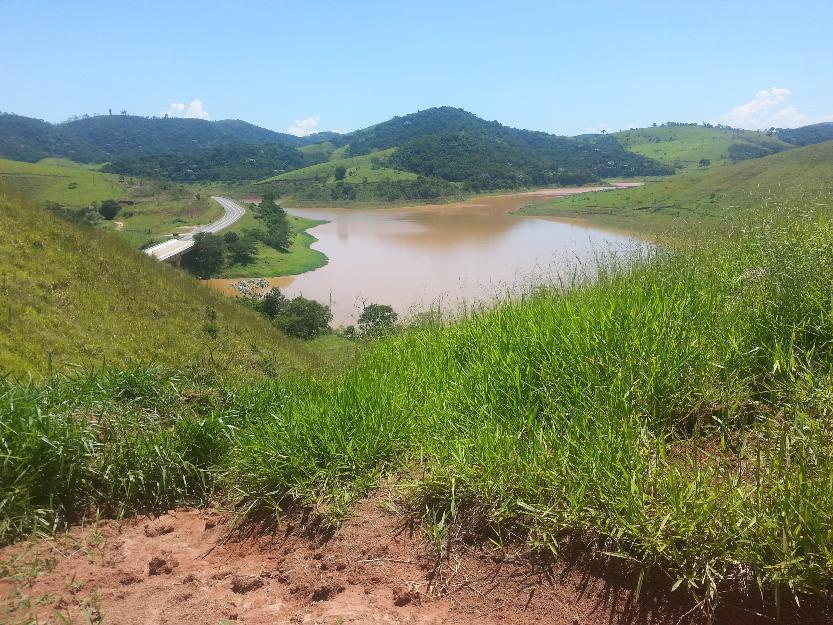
(173, 247)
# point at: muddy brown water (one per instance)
(443, 255)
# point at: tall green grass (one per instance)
(673, 410)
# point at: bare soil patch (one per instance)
(186, 567)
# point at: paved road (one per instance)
(172, 247)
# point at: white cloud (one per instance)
(769, 108)
(193, 110)
(304, 127)
(598, 128)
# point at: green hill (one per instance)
(58, 180)
(27, 139)
(457, 146)
(799, 177)
(444, 151)
(684, 146)
(78, 296)
(107, 137)
(807, 135)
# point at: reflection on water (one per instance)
(414, 258)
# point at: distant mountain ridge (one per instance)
(807, 135)
(423, 155)
(108, 137)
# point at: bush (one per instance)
(109, 209)
(299, 317)
(207, 257)
(376, 319)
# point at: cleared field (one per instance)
(685, 146)
(61, 181)
(359, 169)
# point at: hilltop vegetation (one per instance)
(458, 146)
(76, 297)
(28, 139)
(807, 135)
(705, 199)
(102, 138)
(689, 146)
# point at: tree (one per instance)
(278, 233)
(109, 209)
(304, 318)
(341, 172)
(299, 317)
(207, 256)
(243, 251)
(272, 303)
(376, 319)
(704, 162)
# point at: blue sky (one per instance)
(563, 67)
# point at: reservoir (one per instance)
(444, 255)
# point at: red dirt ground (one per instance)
(183, 568)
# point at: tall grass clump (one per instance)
(109, 442)
(670, 411)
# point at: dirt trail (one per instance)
(177, 569)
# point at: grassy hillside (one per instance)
(707, 198)
(62, 181)
(368, 178)
(684, 146)
(368, 167)
(81, 297)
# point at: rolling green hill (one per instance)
(27, 139)
(107, 137)
(683, 146)
(444, 152)
(697, 199)
(457, 146)
(58, 180)
(807, 135)
(78, 296)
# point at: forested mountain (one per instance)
(458, 146)
(127, 136)
(28, 139)
(453, 145)
(807, 135)
(110, 137)
(238, 161)
(519, 158)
